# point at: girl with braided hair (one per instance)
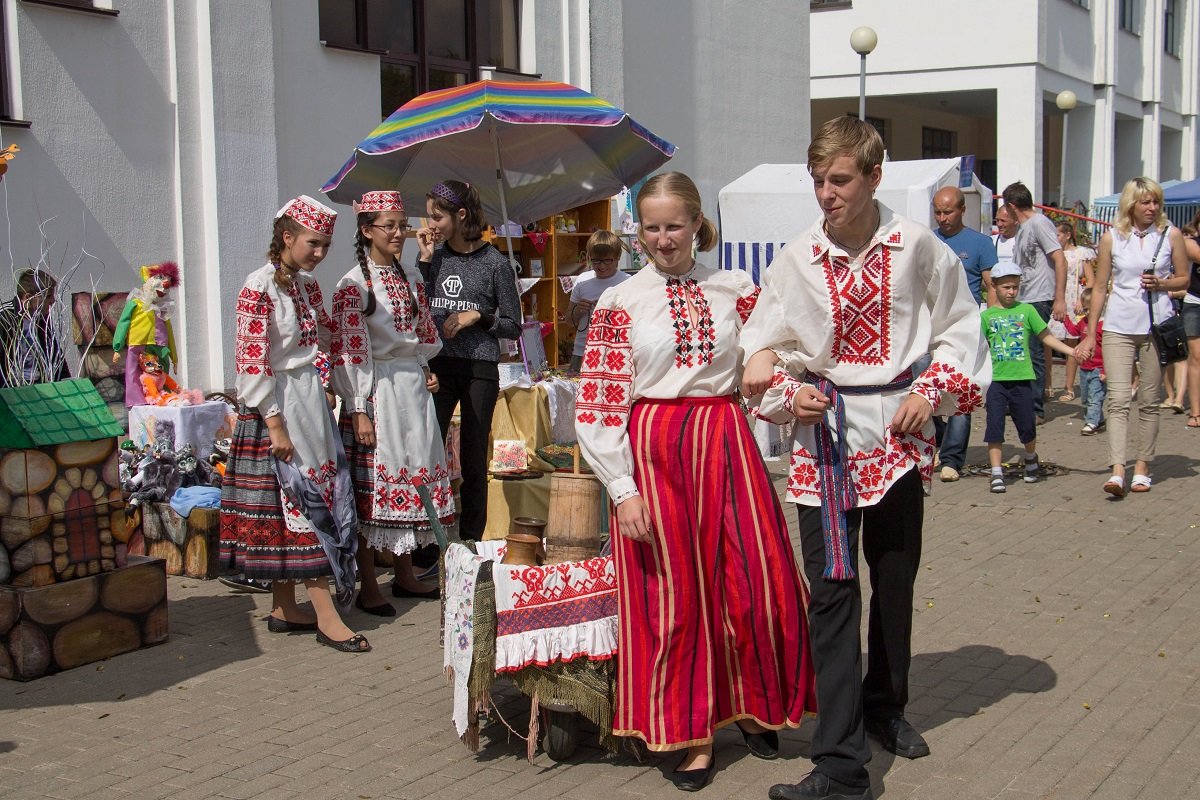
(287, 515)
(381, 354)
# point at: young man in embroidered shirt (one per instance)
(845, 311)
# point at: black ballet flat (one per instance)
(355, 644)
(277, 625)
(763, 745)
(693, 780)
(400, 591)
(381, 610)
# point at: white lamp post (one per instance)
(863, 40)
(1066, 100)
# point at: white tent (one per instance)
(773, 203)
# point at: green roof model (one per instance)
(54, 413)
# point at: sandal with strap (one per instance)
(998, 486)
(1140, 483)
(1066, 396)
(1193, 421)
(1115, 486)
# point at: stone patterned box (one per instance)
(188, 546)
(47, 629)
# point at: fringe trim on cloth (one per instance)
(586, 686)
(483, 659)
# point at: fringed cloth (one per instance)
(833, 469)
(585, 682)
(254, 538)
(712, 611)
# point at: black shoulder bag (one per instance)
(1169, 339)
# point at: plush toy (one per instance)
(218, 457)
(145, 326)
(129, 460)
(192, 471)
(159, 388)
(156, 480)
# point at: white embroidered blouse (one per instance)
(400, 328)
(277, 330)
(642, 343)
(863, 322)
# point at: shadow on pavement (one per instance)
(959, 684)
(206, 633)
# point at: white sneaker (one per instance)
(949, 475)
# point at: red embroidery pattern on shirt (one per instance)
(399, 298)
(607, 377)
(694, 344)
(942, 377)
(862, 308)
(745, 305)
(350, 343)
(306, 320)
(252, 345)
(873, 472)
(426, 332)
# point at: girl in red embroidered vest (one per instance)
(381, 354)
(712, 626)
(282, 329)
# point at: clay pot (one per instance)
(531, 525)
(521, 548)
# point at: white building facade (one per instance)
(174, 129)
(967, 77)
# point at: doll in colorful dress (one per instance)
(145, 326)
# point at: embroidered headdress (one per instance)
(379, 201)
(310, 213)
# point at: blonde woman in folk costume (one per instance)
(385, 338)
(285, 435)
(711, 609)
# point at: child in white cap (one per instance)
(1009, 328)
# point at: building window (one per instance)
(1127, 15)
(425, 44)
(1171, 27)
(937, 143)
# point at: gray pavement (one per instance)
(1056, 656)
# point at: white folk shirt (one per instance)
(642, 344)
(401, 327)
(282, 335)
(864, 322)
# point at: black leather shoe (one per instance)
(764, 745)
(381, 610)
(898, 736)
(816, 786)
(693, 780)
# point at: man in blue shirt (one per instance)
(978, 256)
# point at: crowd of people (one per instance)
(874, 336)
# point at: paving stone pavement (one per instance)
(1056, 655)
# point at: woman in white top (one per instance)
(385, 338)
(711, 609)
(1145, 258)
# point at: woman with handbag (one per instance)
(1145, 258)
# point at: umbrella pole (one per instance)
(503, 200)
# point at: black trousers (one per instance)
(891, 543)
(477, 397)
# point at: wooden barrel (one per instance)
(574, 530)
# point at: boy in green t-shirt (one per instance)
(1009, 328)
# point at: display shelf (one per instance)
(561, 255)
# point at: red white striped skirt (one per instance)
(712, 612)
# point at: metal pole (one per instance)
(1062, 178)
(862, 87)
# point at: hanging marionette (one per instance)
(145, 327)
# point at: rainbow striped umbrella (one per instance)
(531, 149)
